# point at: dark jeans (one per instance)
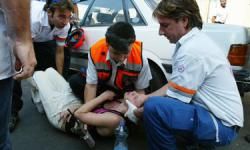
(45, 55)
(5, 104)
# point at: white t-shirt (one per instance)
(141, 83)
(203, 75)
(221, 14)
(40, 28)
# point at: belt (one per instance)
(236, 128)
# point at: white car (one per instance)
(96, 15)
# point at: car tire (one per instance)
(158, 78)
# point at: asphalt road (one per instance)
(35, 133)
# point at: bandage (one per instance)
(130, 112)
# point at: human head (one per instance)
(177, 17)
(59, 12)
(120, 37)
(223, 3)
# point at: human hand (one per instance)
(108, 95)
(25, 60)
(65, 115)
(135, 98)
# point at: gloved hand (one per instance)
(130, 112)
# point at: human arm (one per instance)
(213, 19)
(93, 103)
(89, 92)
(91, 81)
(18, 17)
(59, 59)
(138, 99)
(144, 77)
(85, 115)
(76, 12)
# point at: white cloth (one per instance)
(40, 28)
(202, 73)
(55, 94)
(6, 50)
(143, 78)
(221, 14)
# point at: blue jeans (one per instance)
(5, 105)
(166, 118)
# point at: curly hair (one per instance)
(177, 9)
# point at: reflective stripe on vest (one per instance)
(125, 75)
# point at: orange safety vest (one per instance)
(126, 75)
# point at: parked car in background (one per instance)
(96, 15)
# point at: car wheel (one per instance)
(158, 78)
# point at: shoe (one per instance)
(86, 136)
(247, 138)
(14, 119)
(82, 131)
(36, 100)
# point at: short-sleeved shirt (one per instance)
(40, 28)
(6, 50)
(203, 75)
(141, 83)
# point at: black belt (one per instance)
(219, 22)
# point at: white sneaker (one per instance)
(35, 97)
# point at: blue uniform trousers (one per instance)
(5, 105)
(166, 118)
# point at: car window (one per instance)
(82, 8)
(102, 13)
(134, 17)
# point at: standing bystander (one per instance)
(15, 35)
(49, 29)
(221, 12)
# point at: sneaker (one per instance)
(35, 98)
(14, 119)
(86, 136)
(82, 131)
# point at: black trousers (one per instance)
(45, 55)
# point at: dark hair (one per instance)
(177, 9)
(120, 35)
(62, 5)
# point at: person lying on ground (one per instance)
(56, 97)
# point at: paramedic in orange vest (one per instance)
(115, 63)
